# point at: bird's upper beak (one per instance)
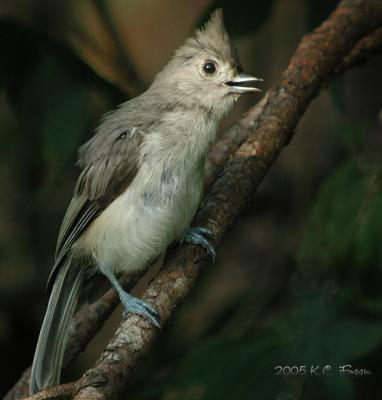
(244, 83)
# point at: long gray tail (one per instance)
(48, 358)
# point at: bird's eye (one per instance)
(209, 67)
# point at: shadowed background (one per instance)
(298, 278)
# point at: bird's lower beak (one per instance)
(244, 83)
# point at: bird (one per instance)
(139, 185)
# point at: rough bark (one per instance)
(348, 36)
(239, 131)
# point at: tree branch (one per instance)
(239, 131)
(86, 323)
(366, 47)
(266, 128)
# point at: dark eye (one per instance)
(209, 67)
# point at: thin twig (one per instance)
(366, 47)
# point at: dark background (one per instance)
(298, 278)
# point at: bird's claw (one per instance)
(196, 235)
(137, 306)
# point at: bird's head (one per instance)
(206, 69)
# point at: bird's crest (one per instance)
(212, 38)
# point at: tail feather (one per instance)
(48, 358)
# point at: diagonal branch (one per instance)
(316, 61)
(366, 47)
(239, 131)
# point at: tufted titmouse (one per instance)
(140, 184)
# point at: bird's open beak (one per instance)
(244, 83)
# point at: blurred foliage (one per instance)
(345, 229)
(49, 90)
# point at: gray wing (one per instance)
(109, 163)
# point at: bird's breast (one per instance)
(152, 212)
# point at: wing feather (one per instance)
(109, 163)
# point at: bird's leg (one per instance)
(132, 304)
(197, 235)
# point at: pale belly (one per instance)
(130, 234)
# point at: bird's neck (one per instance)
(174, 96)
(182, 135)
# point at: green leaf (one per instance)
(342, 241)
(350, 138)
(66, 114)
(22, 50)
(48, 88)
(336, 90)
(332, 225)
(347, 339)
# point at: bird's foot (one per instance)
(197, 235)
(130, 303)
(134, 305)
